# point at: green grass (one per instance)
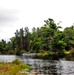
(14, 68)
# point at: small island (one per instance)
(48, 41)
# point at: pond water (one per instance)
(50, 67)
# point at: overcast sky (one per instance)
(15, 14)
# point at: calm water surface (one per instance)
(50, 67)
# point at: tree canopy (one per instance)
(46, 38)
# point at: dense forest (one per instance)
(48, 39)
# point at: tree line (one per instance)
(48, 38)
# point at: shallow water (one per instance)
(50, 67)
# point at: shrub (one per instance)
(16, 61)
(22, 51)
(24, 66)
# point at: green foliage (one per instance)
(69, 37)
(45, 54)
(14, 68)
(48, 38)
(16, 61)
(22, 51)
(23, 66)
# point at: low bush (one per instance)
(16, 61)
(17, 67)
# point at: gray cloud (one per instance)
(7, 16)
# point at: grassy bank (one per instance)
(15, 68)
(69, 55)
